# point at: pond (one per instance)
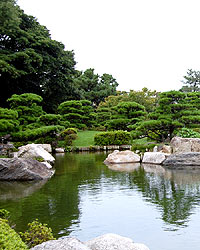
(85, 199)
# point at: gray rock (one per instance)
(33, 151)
(122, 157)
(183, 160)
(66, 243)
(185, 145)
(154, 157)
(114, 242)
(23, 169)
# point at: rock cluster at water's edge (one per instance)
(104, 242)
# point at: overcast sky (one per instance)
(142, 43)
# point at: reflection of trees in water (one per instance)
(176, 200)
(57, 202)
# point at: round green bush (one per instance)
(9, 239)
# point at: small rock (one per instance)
(60, 150)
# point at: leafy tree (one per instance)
(31, 61)
(27, 106)
(191, 81)
(126, 115)
(93, 87)
(8, 121)
(144, 97)
(175, 110)
(78, 113)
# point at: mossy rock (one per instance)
(9, 239)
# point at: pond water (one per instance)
(85, 199)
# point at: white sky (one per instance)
(142, 43)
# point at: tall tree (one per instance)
(95, 88)
(30, 61)
(191, 81)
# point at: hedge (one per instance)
(112, 138)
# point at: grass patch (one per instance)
(85, 138)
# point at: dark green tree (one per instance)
(95, 88)
(28, 107)
(30, 61)
(8, 121)
(175, 110)
(79, 113)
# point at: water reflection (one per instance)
(13, 190)
(85, 195)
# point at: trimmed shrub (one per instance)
(9, 239)
(68, 135)
(112, 138)
(49, 119)
(117, 124)
(36, 234)
(31, 135)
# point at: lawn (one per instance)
(85, 138)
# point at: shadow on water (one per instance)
(57, 202)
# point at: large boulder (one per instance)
(183, 160)
(185, 145)
(154, 157)
(33, 151)
(114, 242)
(66, 243)
(104, 242)
(126, 156)
(23, 169)
(46, 147)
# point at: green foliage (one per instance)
(36, 234)
(79, 113)
(8, 121)
(188, 133)
(68, 131)
(175, 110)
(9, 239)
(33, 134)
(50, 119)
(144, 97)
(4, 214)
(69, 135)
(112, 138)
(28, 107)
(31, 61)
(117, 124)
(93, 87)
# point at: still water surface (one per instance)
(85, 198)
